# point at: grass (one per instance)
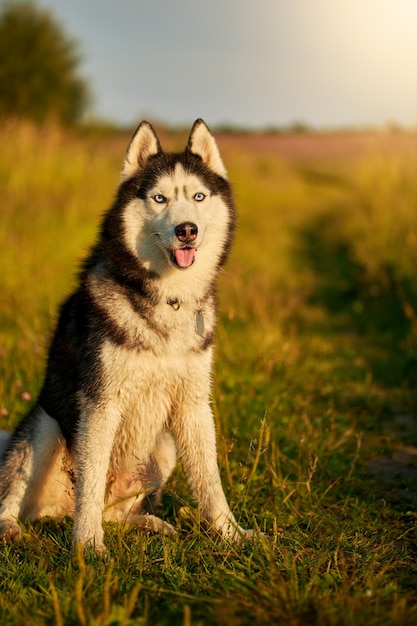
(314, 391)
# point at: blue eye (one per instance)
(159, 198)
(199, 197)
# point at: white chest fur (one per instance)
(151, 387)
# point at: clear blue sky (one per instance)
(248, 62)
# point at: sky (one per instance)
(254, 63)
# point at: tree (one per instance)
(38, 67)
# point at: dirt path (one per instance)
(398, 471)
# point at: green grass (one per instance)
(315, 385)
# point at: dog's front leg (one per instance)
(94, 445)
(194, 433)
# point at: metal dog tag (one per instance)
(199, 323)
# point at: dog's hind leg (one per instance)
(24, 468)
(137, 509)
(160, 467)
(163, 461)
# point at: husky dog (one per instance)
(127, 384)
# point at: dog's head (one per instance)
(179, 210)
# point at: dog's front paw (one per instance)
(88, 539)
(247, 534)
(236, 534)
(89, 547)
(231, 532)
(9, 530)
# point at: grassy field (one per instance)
(314, 390)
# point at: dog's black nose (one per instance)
(186, 232)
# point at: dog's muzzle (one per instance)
(186, 233)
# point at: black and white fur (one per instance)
(127, 384)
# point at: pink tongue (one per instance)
(184, 256)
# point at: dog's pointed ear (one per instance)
(202, 143)
(143, 145)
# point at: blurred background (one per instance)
(239, 63)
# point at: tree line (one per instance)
(39, 67)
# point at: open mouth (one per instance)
(183, 257)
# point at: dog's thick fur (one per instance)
(128, 375)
